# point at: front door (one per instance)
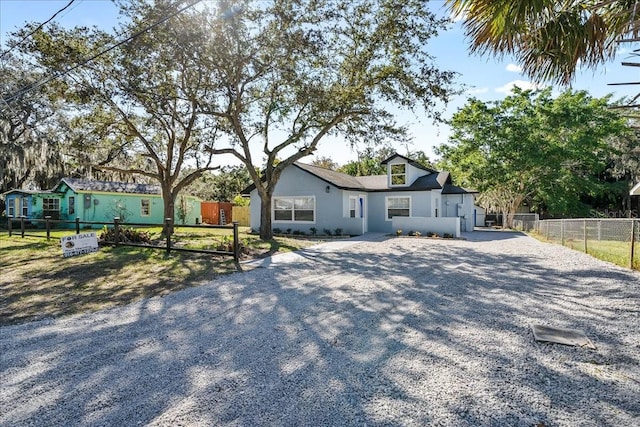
(362, 200)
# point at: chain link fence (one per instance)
(614, 240)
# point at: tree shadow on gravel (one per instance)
(404, 332)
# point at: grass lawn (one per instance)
(606, 250)
(37, 282)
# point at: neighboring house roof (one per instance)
(408, 160)
(30, 192)
(80, 184)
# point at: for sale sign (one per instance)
(79, 244)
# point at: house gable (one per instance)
(403, 172)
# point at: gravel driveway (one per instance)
(397, 332)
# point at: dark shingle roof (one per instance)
(339, 179)
(432, 181)
(80, 184)
(408, 160)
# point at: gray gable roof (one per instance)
(408, 160)
(80, 184)
(374, 183)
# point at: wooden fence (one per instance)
(210, 212)
(116, 224)
(241, 215)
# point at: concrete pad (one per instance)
(564, 336)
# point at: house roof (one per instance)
(81, 184)
(378, 183)
(408, 160)
(19, 191)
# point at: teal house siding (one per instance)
(102, 201)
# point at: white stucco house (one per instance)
(409, 196)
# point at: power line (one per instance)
(22, 91)
(37, 28)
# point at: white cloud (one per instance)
(522, 84)
(514, 68)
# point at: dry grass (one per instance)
(37, 282)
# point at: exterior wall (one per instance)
(427, 225)
(329, 206)
(420, 206)
(10, 200)
(451, 208)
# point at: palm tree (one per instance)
(549, 38)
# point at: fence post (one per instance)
(116, 230)
(547, 224)
(168, 227)
(236, 243)
(633, 243)
(562, 232)
(22, 227)
(585, 235)
(77, 225)
(48, 226)
(9, 221)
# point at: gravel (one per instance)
(377, 332)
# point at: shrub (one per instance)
(429, 234)
(277, 231)
(313, 231)
(296, 232)
(338, 231)
(288, 231)
(125, 235)
(411, 233)
(398, 232)
(327, 232)
(418, 234)
(447, 236)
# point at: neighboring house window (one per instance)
(145, 207)
(51, 207)
(11, 209)
(352, 207)
(297, 209)
(398, 206)
(72, 205)
(25, 207)
(399, 174)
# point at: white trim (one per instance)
(635, 191)
(355, 207)
(292, 220)
(386, 206)
(391, 175)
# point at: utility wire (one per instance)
(11, 98)
(36, 30)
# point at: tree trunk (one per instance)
(168, 202)
(266, 233)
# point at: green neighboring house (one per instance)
(100, 201)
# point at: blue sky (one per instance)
(487, 78)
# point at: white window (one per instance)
(353, 202)
(399, 174)
(25, 207)
(145, 207)
(11, 208)
(398, 206)
(294, 209)
(51, 205)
